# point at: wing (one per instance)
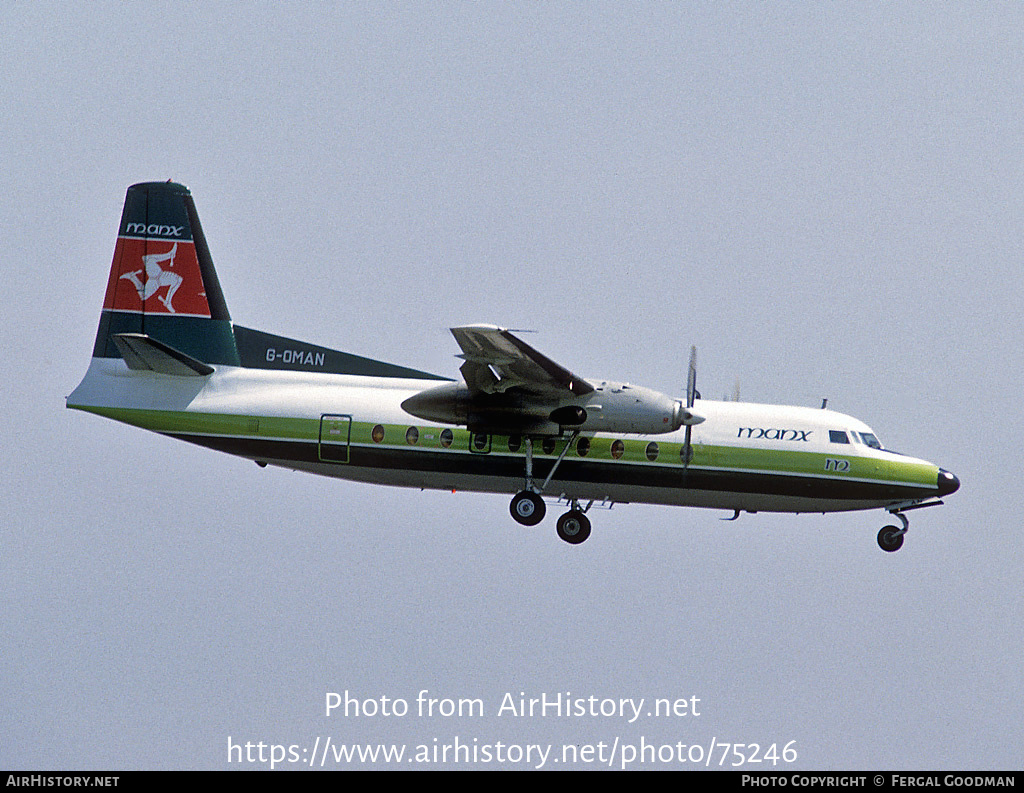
(497, 361)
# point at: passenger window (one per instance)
(618, 448)
(447, 437)
(838, 436)
(377, 434)
(412, 436)
(514, 442)
(583, 446)
(652, 451)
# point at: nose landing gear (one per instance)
(890, 538)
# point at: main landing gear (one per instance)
(528, 508)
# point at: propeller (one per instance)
(691, 379)
(691, 396)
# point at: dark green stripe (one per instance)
(259, 350)
(618, 473)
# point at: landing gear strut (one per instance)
(527, 506)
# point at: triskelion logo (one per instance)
(157, 277)
(151, 276)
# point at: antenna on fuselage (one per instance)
(824, 403)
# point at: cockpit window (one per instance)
(838, 436)
(870, 440)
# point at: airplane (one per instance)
(168, 358)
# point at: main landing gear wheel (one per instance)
(527, 508)
(573, 527)
(890, 539)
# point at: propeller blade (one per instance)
(691, 395)
(691, 378)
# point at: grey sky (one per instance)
(825, 199)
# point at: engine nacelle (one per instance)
(512, 413)
(612, 407)
(445, 404)
(625, 408)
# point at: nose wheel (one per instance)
(890, 538)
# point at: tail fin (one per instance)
(164, 310)
(162, 283)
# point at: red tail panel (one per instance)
(156, 276)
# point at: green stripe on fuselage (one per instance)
(705, 456)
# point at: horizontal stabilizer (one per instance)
(145, 354)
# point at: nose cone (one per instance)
(948, 483)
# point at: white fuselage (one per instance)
(745, 456)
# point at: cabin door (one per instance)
(335, 435)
